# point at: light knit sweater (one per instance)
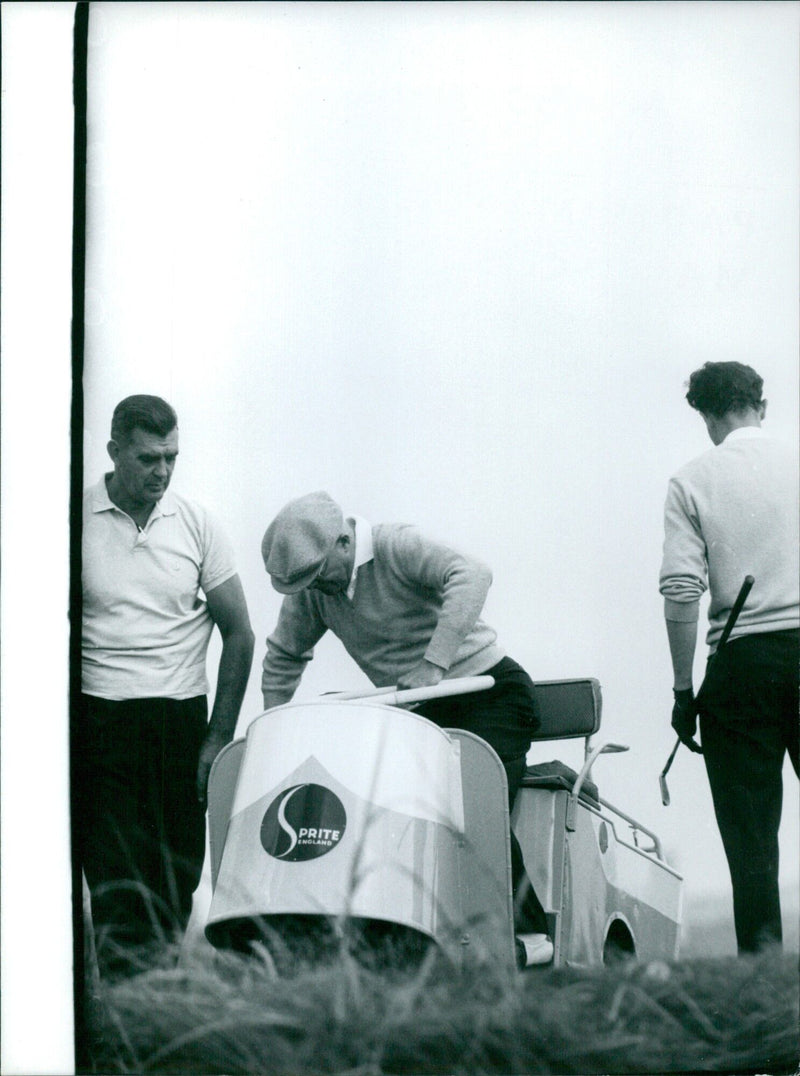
(414, 599)
(729, 513)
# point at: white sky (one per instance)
(452, 263)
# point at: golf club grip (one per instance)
(665, 771)
(733, 616)
(741, 598)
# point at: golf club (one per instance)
(741, 598)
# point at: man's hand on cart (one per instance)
(684, 718)
(425, 674)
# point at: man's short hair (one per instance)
(148, 413)
(720, 387)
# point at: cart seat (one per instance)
(557, 775)
(567, 709)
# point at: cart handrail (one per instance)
(572, 803)
(583, 776)
(637, 826)
(646, 853)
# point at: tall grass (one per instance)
(210, 1013)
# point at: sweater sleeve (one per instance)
(459, 583)
(684, 565)
(290, 648)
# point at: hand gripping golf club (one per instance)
(733, 616)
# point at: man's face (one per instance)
(143, 465)
(337, 569)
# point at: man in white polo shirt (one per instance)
(157, 575)
(730, 513)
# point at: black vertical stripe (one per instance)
(79, 92)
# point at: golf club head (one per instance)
(662, 784)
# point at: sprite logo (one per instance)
(303, 822)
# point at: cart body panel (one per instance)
(590, 878)
(372, 825)
(352, 808)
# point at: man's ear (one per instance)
(762, 409)
(113, 450)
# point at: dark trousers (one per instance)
(505, 717)
(748, 721)
(139, 829)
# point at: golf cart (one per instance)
(354, 808)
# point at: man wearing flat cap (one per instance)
(407, 610)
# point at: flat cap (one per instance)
(299, 539)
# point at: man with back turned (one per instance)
(158, 575)
(730, 513)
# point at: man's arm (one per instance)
(228, 609)
(682, 637)
(462, 583)
(683, 580)
(290, 648)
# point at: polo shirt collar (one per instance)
(363, 550)
(101, 502)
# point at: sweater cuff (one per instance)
(443, 647)
(683, 612)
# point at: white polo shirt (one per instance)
(146, 625)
